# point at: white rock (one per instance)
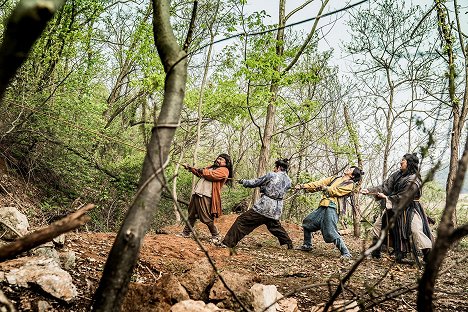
(264, 296)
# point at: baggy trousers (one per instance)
(200, 208)
(325, 220)
(249, 221)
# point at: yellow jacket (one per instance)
(333, 188)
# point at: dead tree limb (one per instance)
(41, 236)
(24, 27)
(369, 304)
(445, 236)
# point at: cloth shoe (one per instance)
(346, 256)
(216, 239)
(184, 235)
(305, 248)
(221, 245)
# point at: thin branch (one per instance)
(297, 9)
(309, 37)
(188, 40)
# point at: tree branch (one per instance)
(188, 39)
(23, 28)
(458, 233)
(309, 37)
(41, 236)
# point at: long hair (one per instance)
(412, 161)
(229, 167)
(357, 174)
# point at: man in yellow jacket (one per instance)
(325, 217)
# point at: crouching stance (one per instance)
(267, 210)
(325, 218)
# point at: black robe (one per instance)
(399, 187)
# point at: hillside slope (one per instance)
(258, 254)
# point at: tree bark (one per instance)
(264, 157)
(24, 26)
(44, 235)
(459, 112)
(445, 238)
(353, 136)
(202, 92)
(124, 253)
(447, 233)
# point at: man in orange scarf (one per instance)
(205, 203)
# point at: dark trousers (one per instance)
(249, 221)
(200, 208)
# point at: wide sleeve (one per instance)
(317, 185)
(386, 186)
(256, 182)
(218, 174)
(197, 172)
(339, 190)
(408, 192)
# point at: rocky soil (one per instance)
(258, 254)
(308, 277)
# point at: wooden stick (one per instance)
(41, 236)
(369, 193)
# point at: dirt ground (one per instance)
(310, 277)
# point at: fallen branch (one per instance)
(41, 236)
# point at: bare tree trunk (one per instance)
(266, 144)
(459, 112)
(354, 138)
(174, 186)
(124, 253)
(264, 156)
(447, 232)
(388, 126)
(202, 90)
(446, 236)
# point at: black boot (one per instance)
(426, 252)
(399, 256)
(376, 253)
